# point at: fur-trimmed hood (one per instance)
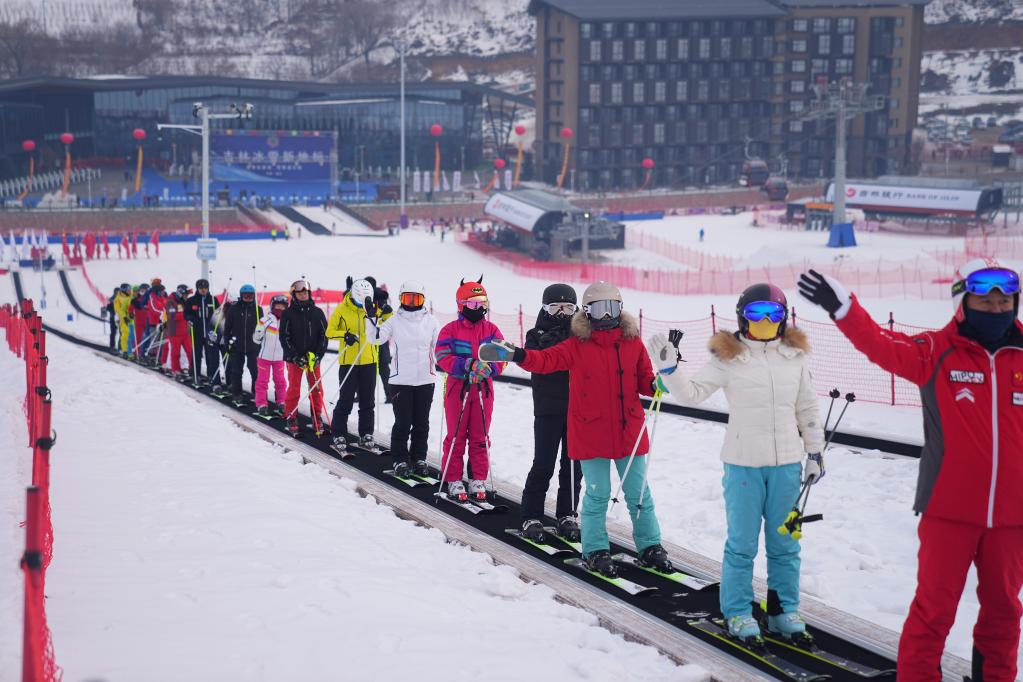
(583, 328)
(729, 346)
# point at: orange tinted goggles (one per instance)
(412, 299)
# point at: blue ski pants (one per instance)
(755, 497)
(593, 520)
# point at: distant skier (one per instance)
(304, 341)
(608, 369)
(271, 359)
(773, 419)
(970, 375)
(243, 352)
(550, 423)
(701, 235)
(468, 390)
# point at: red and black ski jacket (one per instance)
(971, 468)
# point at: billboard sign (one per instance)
(513, 211)
(271, 156)
(909, 199)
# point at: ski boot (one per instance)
(401, 470)
(264, 412)
(745, 630)
(456, 491)
(568, 528)
(602, 563)
(293, 426)
(421, 468)
(340, 444)
(656, 558)
(277, 408)
(532, 529)
(792, 627)
(478, 490)
(325, 429)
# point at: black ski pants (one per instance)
(550, 434)
(385, 369)
(113, 332)
(411, 415)
(362, 380)
(203, 348)
(235, 363)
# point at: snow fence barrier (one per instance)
(27, 340)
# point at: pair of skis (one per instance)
(472, 506)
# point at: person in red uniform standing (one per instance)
(158, 340)
(970, 375)
(177, 329)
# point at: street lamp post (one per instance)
(204, 115)
(401, 47)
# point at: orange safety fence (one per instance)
(26, 339)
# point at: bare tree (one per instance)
(367, 24)
(25, 50)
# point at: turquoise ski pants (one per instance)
(597, 478)
(756, 496)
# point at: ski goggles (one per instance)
(412, 299)
(300, 285)
(474, 303)
(982, 282)
(601, 309)
(248, 296)
(760, 310)
(560, 308)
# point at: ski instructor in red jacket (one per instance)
(970, 483)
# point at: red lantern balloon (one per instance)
(138, 134)
(29, 145)
(499, 164)
(520, 130)
(436, 130)
(648, 163)
(567, 133)
(67, 138)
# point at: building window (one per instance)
(843, 66)
(594, 93)
(683, 48)
(617, 50)
(616, 93)
(724, 89)
(630, 29)
(661, 49)
(682, 91)
(660, 91)
(819, 66)
(899, 21)
(609, 29)
(898, 42)
(658, 133)
(824, 44)
(745, 89)
(846, 25)
(799, 45)
(797, 87)
(896, 82)
(639, 50)
(593, 136)
(704, 48)
(702, 90)
(795, 126)
(800, 25)
(746, 47)
(767, 46)
(778, 68)
(637, 133)
(796, 106)
(637, 92)
(726, 48)
(595, 53)
(701, 131)
(798, 65)
(849, 44)
(898, 63)
(822, 25)
(586, 30)
(614, 135)
(893, 103)
(651, 29)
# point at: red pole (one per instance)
(32, 565)
(713, 320)
(891, 327)
(522, 332)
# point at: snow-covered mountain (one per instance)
(973, 11)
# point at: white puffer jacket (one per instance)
(267, 334)
(773, 413)
(413, 338)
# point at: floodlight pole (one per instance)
(401, 47)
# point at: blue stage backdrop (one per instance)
(271, 156)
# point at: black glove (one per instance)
(385, 309)
(370, 307)
(675, 338)
(302, 361)
(350, 339)
(814, 288)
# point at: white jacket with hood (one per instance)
(412, 335)
(267, 335)
(773, 413)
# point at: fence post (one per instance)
(32, 565)
(522, 333)
(891, 328)
(713, 320)
(640, 323)
(794, 321)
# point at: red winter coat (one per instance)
(971, 468)
(156, 306)
(175, 314)
(607, 372)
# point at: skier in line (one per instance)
(239, 326)
(608, 369)
(413, 332)
(271, 359)
(469, 390)
(177, 330)
(302, 331)
(348, 323)
(199, 310)
(382, 300)
(111, 310)
(773, 419)
(122, 306)
(970, 375)
(550, 423)
(138, 312)
(157, 303)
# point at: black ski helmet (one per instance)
(202, 284)
(761, 292)
(559, 293)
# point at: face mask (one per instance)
(474, 316)
(411, 308)
(277, 312)
(764, 330)
(988, 327)
(605, 323)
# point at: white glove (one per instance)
(814, 469)
(662, 353)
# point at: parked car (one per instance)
(992, 121)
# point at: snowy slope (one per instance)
(972, 11)
(971, 72)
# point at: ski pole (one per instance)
(834, 393)
(195, 365)
(486, 438)
(352, 366)
(446, 460)
(849, 399)
(646, 472)
(310, 359)
(635, 448)
(312, 388)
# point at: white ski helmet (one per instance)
(601, 291)
(964, 271)
(361, 290)
(412, 287)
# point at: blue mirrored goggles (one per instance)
(759, 310)
(983, 282)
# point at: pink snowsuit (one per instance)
(270, 360)
(457, 346)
